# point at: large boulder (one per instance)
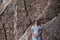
(51, 30)
(19, 15)
(7, 23)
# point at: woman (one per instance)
(36, 31)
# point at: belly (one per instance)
(36, 32)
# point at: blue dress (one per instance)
(36, 31)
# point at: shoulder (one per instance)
(32, 27)
(40, 27)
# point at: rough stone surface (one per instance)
(7, 22)
(51, 29)
(19, 15)
(1, 2)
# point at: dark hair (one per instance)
(38, 22)
(34, 21)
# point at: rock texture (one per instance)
(7, 22)
(16, 16)
(4, 5)
(50, 30)
(1, 2)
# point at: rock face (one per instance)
(18, 15)
(50, 30)
(7, 23)
(1, 2)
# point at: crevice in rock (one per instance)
(5, 32)
(27, 14)
(3, 6)
(26, 8)
(30, 21)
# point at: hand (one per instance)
(35, 36)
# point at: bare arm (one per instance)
(32, 32)
(40, 32)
